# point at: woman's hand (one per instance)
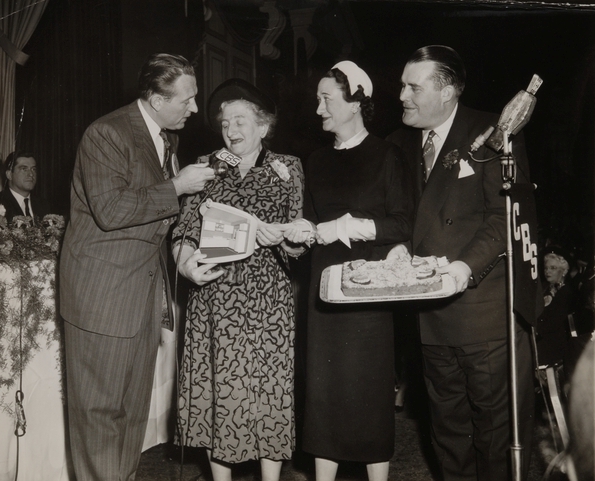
(194, 271)
(267, 235)
(326, 232)
(300, 231)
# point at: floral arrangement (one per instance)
(450, 159)
(25, 239)
(28, 251)
(276, 170)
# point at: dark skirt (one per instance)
(349, 413)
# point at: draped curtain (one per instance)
(18, 20)
(72, 78)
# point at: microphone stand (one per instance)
(508, 178)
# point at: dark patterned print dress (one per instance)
(236, 380)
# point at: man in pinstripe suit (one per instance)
(111, 268)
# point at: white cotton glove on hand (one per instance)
(359, 229)
(300, 231)
(326, 232)
(346, 229)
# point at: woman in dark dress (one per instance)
(553, 328)
(236, 379)
(359, 197)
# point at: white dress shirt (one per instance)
(154, 130)
(441, 133)
(21, 200)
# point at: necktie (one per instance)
(27, 211)
(428, 154)
(167, 170)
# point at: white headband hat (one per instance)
(356, 77)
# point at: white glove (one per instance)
(300, 231)
(346, 229)
(359, 229)
(326, 232)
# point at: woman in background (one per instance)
(236, 381)
(553, 328)
(358, 196)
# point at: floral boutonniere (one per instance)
(450, 159)
(280, 169)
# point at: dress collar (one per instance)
(353, 141)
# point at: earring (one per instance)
(354, 110)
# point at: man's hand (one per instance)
(459, 271)
(200, 274)
(192, 178)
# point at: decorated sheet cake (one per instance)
(391, 279)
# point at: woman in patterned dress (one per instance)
(236, 381)
(359, 196)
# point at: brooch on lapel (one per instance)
(280, 169)
(276, 170)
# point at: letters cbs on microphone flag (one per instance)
(528, 301)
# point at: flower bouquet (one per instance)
(28, 252)
(25, 239)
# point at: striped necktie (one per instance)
(166, 167)
(27, 211)
(428, 154)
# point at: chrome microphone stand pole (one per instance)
(508, 177)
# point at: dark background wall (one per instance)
(85, 55)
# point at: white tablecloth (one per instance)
(42, 452)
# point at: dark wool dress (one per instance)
(349, 413)
(236, 379)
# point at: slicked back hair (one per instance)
(11, 159)
(160, 72)
(449, 67)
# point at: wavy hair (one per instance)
(366, 104)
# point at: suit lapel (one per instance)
(14, 202)
(418, 170)
(143, 140)
(441, 179)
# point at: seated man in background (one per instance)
(21, 177)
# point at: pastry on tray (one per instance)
(391, 277)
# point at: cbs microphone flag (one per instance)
(528, 299)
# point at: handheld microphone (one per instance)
(515, 115)
(220, 161)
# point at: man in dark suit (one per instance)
(21, 178)
(461, 214)
(124, 198)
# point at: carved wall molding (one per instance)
(301, 19)
(277, 22)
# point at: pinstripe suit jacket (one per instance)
(463, 217)
(121, 210)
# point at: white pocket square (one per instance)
(465, 169)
